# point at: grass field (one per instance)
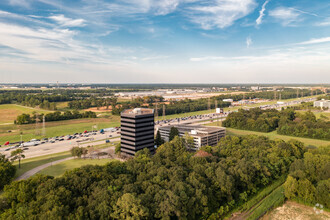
(9, 112)
(273, 135)
(60, 168)
(318, 114)
(263, 194)
(54, 128)
(28, 164)
(62, 106)
(273, 200)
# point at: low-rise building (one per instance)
(203, 135)
(322, 103)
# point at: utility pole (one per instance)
(215, 104)
(156, 113)
(297, 93)
(275, 95)
(209, 104)
(280, 96)
(164, 112)
(36, 127)
(43, 126)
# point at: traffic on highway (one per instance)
(98, 137)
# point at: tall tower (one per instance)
(164, 112)
(137, 130)
(43, 126)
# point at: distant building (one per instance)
(228, 100)
(137, 130)
(322, 103)
(203, 135)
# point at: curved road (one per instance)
(39, 168)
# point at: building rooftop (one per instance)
(138, 111)
(194, 130)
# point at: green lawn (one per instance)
(28, 164)
(9, 112)
(273, 200)
(273, 135)
(60, 168)
(55, 128)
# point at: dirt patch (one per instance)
(100, 109)
(9, 115)
(295, 211)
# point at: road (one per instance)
(41, 167)
(66, 145)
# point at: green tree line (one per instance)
(286, 122)
(309, 178)
(54, 116)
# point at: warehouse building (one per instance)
(203, 135)
(322, 103)
(137, 130)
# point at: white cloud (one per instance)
(21, 3)
(261, 13)
(316, 41)
(324, 23)
(248, 42)
(68, 22)
(286, 16)
(222, 13)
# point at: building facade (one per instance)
(137, 130)
(203, 135)
(322, 103)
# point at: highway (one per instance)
(65, 145)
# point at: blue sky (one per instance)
(167, 41)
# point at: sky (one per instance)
(165, 41)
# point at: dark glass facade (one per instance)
(137, 130)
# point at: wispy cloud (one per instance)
(286, 16)
(221, 13)
(68, 22)
(261, 13)
(325, 22)
(316, 41)
(248, 42)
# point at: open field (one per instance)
(60, 168)
(28, 164)
(273, 135)
(62, 106)
(273, 200)
(295, 211)
(56, 128)
(318, 114)
(9, 112)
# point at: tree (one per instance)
(7, 171)
(76, 151)
(158, 141)
(189, 141)
(118, 149)
(173, 132)
(129, 207)
(17, 155)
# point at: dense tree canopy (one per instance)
(286, 122)
(309, 179)
(54, 116)
(173, 184)
(7, 171)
